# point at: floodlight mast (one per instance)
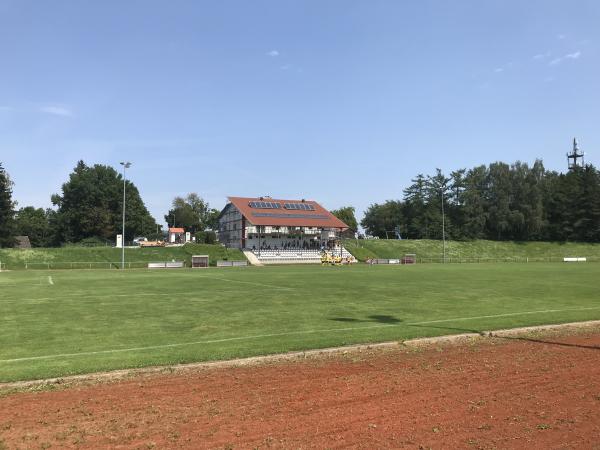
(126, 165)
(443, 222)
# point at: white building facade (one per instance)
(264, 224)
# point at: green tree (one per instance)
(499, 196)
(591, 200)
(7, 210)
(91, 206)
(415, 201)
(346, 215)
(437, 192)
(35, 223)
(498, 202)
(552, 211)
(577, 211)
(525, 201)
(381, 219)
(474, 203)
(192, 213)
(455, 201)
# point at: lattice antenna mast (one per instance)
(574, 156)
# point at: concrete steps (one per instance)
(251, 257)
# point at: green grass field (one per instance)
(56, 323)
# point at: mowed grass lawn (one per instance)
(56, 323)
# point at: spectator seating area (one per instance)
(295, 256)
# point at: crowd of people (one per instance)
(294, 245)
(332, 259)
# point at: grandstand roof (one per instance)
(277, 212)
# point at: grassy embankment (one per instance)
(109, 257)
(472, 251)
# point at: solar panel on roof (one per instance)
(301, 206)
(264, 205)
(290, 216)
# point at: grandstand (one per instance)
(280, 231)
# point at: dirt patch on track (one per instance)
(537, 390)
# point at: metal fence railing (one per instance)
(514, 259)
(51, 265)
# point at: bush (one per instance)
(206, 237)
(92, 242)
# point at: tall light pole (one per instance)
(126, 165)
(443, 222)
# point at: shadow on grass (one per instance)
(510, 338)
(391, 320)
(384, 319)
(376, 318)
(451, 329)
(541, 341)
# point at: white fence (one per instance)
(75, 265)
(223, 263)
(166, 265)
(514, 259)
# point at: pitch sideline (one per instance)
(290, 333)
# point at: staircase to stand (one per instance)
(251, 257)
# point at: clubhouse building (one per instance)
(279, 231)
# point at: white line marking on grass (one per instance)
(80, 297)
(502, 315)
(50, 280)
(272, 286)
(142, 294)
(288, 333)
(183, 344)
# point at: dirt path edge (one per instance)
(418, 343)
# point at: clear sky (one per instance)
(339, 101)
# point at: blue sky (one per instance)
(338, 101)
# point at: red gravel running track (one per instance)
(495, 393)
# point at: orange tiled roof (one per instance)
(281, 216)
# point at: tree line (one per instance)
(89, 211)
(497, 202)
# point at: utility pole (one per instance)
(126, 165)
